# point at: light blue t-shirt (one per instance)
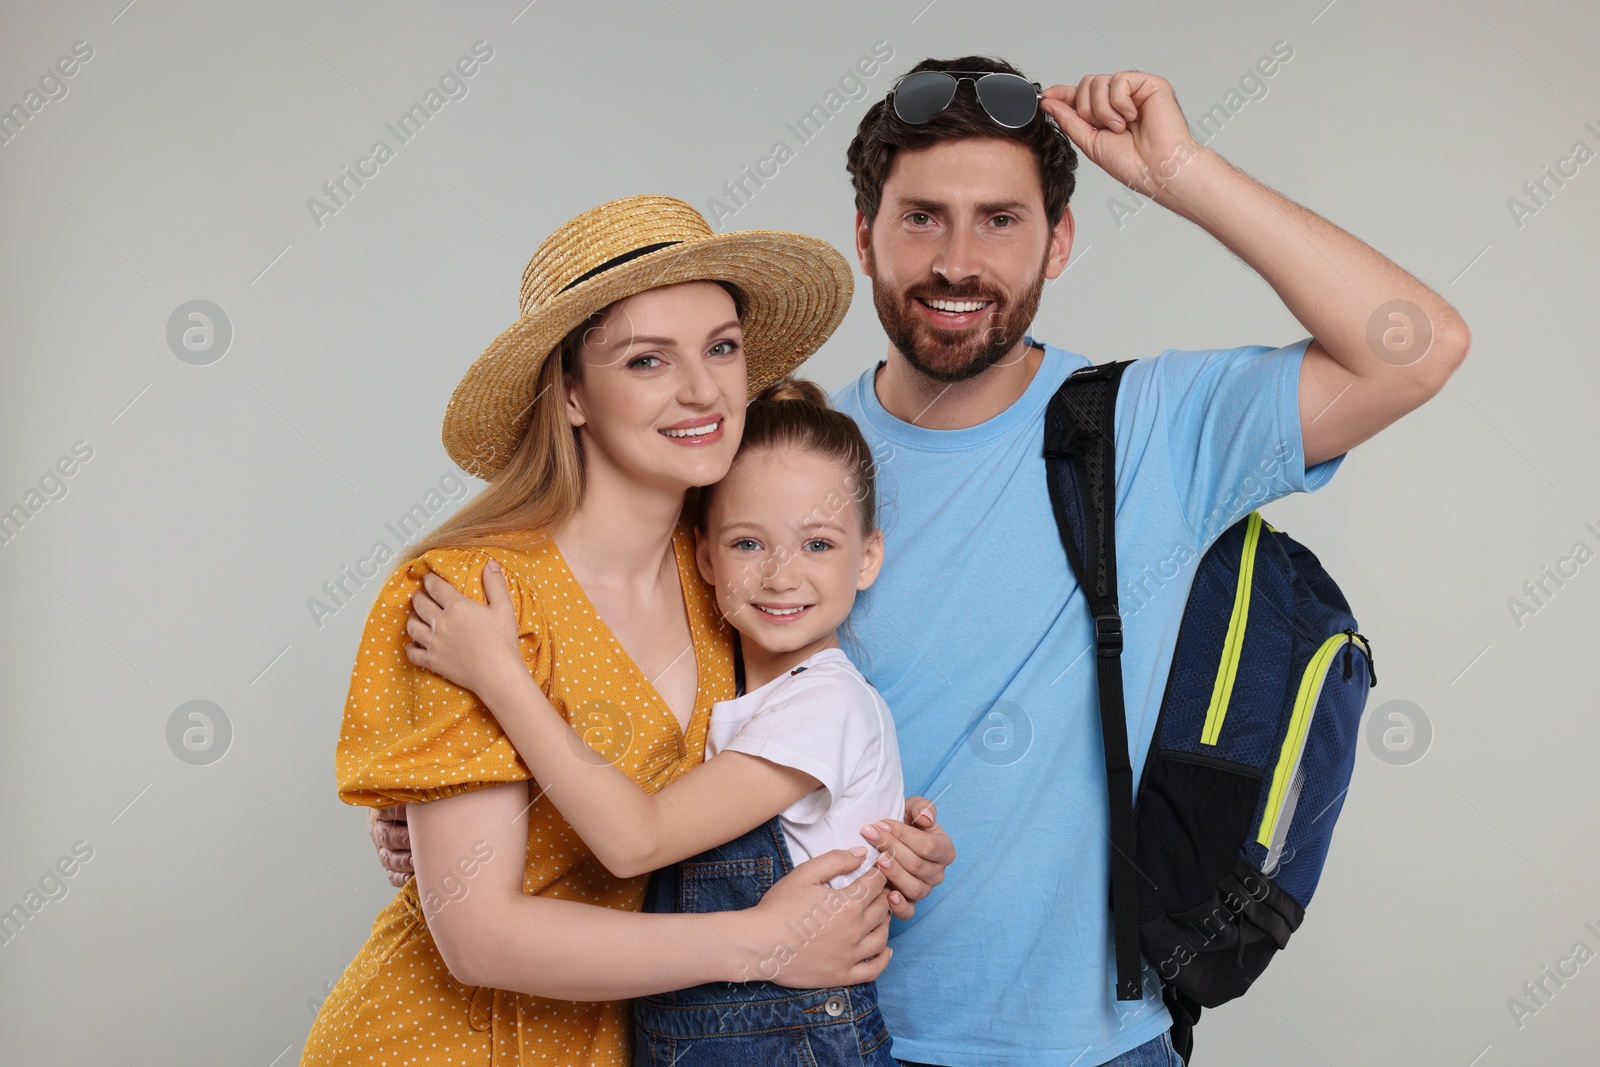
(977, 636)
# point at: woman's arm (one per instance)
(469, 851)
(913, 854)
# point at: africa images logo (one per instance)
(342, 188)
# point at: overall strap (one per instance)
(738, 666)
(1080, 461)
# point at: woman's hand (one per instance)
(913, 854)
(813, 936)
(455, 637)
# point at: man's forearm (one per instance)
(1330, 280)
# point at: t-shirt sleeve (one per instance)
(408, 734)
(826, 726)
(1232, 422)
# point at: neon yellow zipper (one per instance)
(1294, 740)
(1233, 644)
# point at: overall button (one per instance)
(834, 1005)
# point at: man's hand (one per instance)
(392, 838)
(1129, 123)
(912, 854)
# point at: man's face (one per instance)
(960, 252)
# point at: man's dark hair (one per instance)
(881, 133)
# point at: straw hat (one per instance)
(798, 290)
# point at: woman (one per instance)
(513, 943)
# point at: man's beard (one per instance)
(955, 356)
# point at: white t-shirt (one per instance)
(823, 718)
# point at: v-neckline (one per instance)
(682, 555)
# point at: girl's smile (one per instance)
(782, 614)
(784, 548)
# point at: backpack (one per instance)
(1213, 867)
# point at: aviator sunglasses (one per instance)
(1010, 100)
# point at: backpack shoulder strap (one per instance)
(1080, 462)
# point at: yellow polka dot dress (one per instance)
(408, 735)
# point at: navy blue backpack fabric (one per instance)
(1215, 861)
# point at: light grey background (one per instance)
(221, 898)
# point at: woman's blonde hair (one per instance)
(541, 486)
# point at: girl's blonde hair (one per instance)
(795, 413)
(541, 486)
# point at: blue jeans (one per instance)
(734, 1024)
(1157, 1052)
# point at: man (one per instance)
(975, 632)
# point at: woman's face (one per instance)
(662, 392)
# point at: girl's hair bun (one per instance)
(793, 389)
(795, 413)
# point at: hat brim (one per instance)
(797, 291)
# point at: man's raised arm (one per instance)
(1382, 342)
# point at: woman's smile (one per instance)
(704, 430)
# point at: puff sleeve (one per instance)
(408, 734)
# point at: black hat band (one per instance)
(617, 261)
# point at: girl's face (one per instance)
(662, 392)
(784, 549)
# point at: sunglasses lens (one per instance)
(921, 96)
(1011, 101)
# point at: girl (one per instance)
(622, 386)
(795, 764)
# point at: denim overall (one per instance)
(741, 1024)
